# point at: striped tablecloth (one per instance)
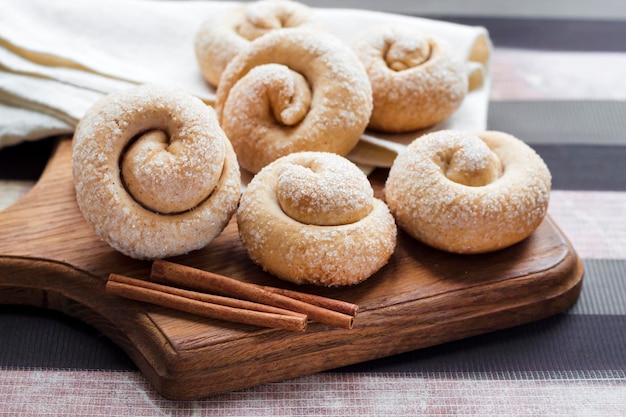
(560, 85)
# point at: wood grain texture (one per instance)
(50, 258)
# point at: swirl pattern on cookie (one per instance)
(416, 81)
(293, 90)
(311, 218)
(155, 176)
(219, 39)
(468, 193)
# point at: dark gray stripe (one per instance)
(551, 34)
(36, 338)
(528, 9)
(581, 167)
(561, 122)
(559, 344)
(604, 288)
(562, 343)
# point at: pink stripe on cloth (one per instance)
(95, 393)
(521, 74)
(593, 221)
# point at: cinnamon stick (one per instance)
(207, 298)
(206, 305)
(325, 302)
(181, 275)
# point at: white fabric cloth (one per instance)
(57, 58)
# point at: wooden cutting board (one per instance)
(50, 258)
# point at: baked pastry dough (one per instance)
(311, 218)
(155, 175)
(293, 90)
(468, 193)
(416, 80)
(222, 37)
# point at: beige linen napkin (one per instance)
(57, 58)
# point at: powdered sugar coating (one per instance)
(222, 37)
(340, 97)
(416, 81)
(325, 191)
(200, 169)
(303, 253)
(468, 218)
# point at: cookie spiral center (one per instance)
(471, 162)
(404, 52)
(263, 17)
(154, 167)
(324, 193)
(290, 99)
(273, 90)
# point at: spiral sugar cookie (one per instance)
(468, 193)
(221, 38)
(311, 218)
(416, 81)
(155, 175)
(293, 90)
